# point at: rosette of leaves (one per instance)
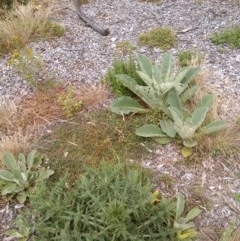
(184, 225)
(22, 175)
(184, 123)
(159, 81)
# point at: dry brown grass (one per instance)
(92, 96)
(20, 142)
(24, 24)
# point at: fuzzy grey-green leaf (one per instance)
(214, 126)
(10, 161)
(150, 131)
(126, 105)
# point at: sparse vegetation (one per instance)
(163, 38)
(229, 36)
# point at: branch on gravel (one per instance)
(89, 22)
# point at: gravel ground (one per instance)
(83, 56)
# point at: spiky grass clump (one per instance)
(164, 38)
(229, 36)
(108, 203)
(25, 24)
(91, 138)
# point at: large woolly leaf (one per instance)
(198, 117)
(189, 75)
(126, 105)
(127, 81)
(176, 115)
(6, 175)
(188, 93)
(193, 213)
(173, 99)
(30, 159)
(206, 101)
(150, 131)
(147, 80)
(10, 161)
(214, 126)
(166, 68)
(145, 64)
(189, 143)
(11, 188)
(167, 127)
(180, 205)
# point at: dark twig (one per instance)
(89, 22)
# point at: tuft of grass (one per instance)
(19, 142)
(189, 58)
(91, 138)
(229, 36)
(25, 24)
(164, 38)
(128, 67)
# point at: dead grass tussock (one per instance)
(92, 96)
(8, 115)
(23, 24)
(20, 142)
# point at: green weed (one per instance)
(229, 36)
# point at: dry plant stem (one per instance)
(89, 22)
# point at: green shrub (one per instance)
(109, 203)
(228, 36)
(127, 67)
(163, 38)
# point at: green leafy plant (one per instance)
(69, 103)
(127, 67)
(108, 203)
(186, 228)
(189, 58)
(229, 36)
(167, 93)
(163, 38)
(22, 175)
(161, 89)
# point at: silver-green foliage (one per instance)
(22, 174)
(160, 82)
(167, 92)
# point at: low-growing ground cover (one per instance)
(95, 135)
